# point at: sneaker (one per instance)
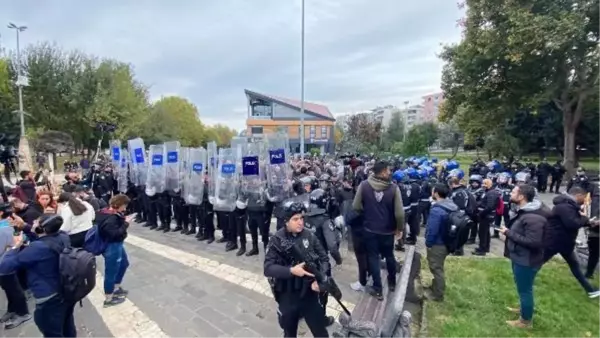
(356, 286)
(520, 323)
(7, 316)
(113, 301)
(594, 294)
(17, 321)
(377, 294)
(120, 292)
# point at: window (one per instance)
(261, 109)
(313, 132)
(256, 130)
(323, 131)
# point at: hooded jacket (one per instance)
(381, 203)
(111, 225)
(437, 223)
(525, 237)
(564, 224)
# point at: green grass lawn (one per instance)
(479, 290)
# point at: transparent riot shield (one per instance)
(115, 154)
(253, 181)
(172, 155)
(278, 171)
(139, 167)
(184, 154)
(123, 172)
(194, 187)
(227, 183)
(240, 145)
(212, 159)
(156, 170)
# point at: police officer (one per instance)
(413, 218)
(401, 180)
(104, 183)
(295, 289)
(505, 188)
(319, 222)
(475, 182)
(424, 196)
(558, 171)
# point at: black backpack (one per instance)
(77, 269)
(471, 207)
(457, 229)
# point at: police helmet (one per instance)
(476, 178)
(411, 173)
(422, 173)
(318, 198)
(522, 177)
(458, 173)
(291, 208)
(503, 178)
(398, 176)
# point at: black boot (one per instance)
(254, 250)
(242, 249)
(201, 236)
(230, 246)
(210, 239)
(191, 231)
(153, 227)
(222, 240)
(179, 228)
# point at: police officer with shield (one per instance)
(296, 283)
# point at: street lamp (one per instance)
(302, 88)
(21, 80)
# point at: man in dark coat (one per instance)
(561, 234)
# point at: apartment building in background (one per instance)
(271, 114)
(431, 105)
(412, 116)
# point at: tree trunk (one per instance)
(569, 146)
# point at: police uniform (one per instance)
(294, 295)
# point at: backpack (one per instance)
(457, 229)
(77, 270)
(93, 243)
(471, 207)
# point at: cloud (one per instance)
(358, 54)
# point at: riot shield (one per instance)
(115, 155)
(172, 155)
(139, 167)
(253, 180)
(212, 158)
(157, 169)
(278, 171)
(194, 186)
(123, 173)
(184, 155)
(227, 184)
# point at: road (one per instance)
(181, 287)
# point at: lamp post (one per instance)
(24, 151)
(302, 88)
(21, 81)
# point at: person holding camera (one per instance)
(17, 311)
(53, 315)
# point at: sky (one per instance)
(359, 54)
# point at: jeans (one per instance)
(54, 318)
(17, 303)
(115, 266)
(524, 277)
(380, 245)
(571, 258)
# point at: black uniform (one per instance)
(294, 295)
(504, 190)
(487, 213)
(424, 202)
(543, 171)
(558, 171)
(413, 218)
(103, 185)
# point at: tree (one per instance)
(338, 134)
(395, 130)
(173, 118)
(363, 134)
(9, 128)
(450, 136)
(519, 55)
(415, 144)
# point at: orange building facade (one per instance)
(271, 114)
